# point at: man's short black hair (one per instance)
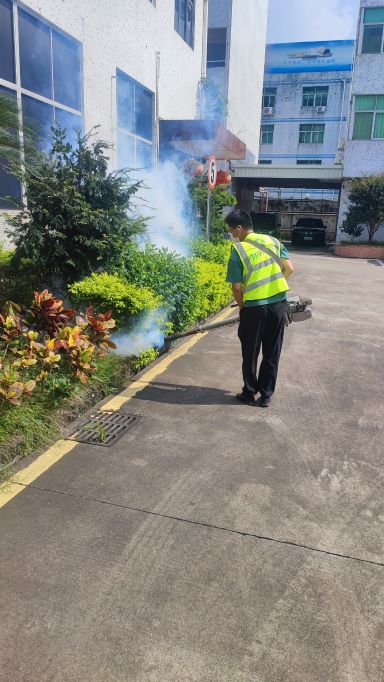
(239, 217)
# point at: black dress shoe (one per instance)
(246, 399)
(264, 401)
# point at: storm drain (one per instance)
(104, 428)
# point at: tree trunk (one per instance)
(371, 231)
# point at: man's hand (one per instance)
(237, 291)
(287, 267)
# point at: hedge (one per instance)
(214, 253)
(17, 284)
(112, 292)
(170, 276)
(213, 291)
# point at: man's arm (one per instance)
(237, 291)
(287, 267)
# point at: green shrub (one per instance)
(215, 253)
(221, 199)
(214, 292)
(111, 292)
(170, 276)
(77, 214)
(144, 359)
(17, 283)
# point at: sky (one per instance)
(307, 20)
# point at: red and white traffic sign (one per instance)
(212, 172)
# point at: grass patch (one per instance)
(40, 420)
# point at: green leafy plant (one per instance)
(213, 253)
(144, 359)
(173, 278)
(77, 213)
(220, 200)
(213, 292)
(366, 207)
(36, 342)
(112, 292)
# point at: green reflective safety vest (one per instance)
(262, 276)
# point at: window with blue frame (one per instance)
(185, 20)
(7, 49)
(44, 73)
(9, 185)
(50, 66)
(135, 118)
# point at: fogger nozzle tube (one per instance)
(297, 310)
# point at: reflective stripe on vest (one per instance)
(262, 278)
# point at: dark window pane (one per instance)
(177, 15)
(126, 151)
(143, 112)
(125, 103)
(269, 97)
(143, 154)
(372, 39)
(217, 47)
(39, 116)
(190, 27)
(70, 122)
(362, 129)
(185, 19)
(374, 15)
(9, 185)
(7, 58)
(66, 70)
(35, 55)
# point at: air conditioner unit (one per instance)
(321, 110)
(267, 111)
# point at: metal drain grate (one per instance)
(104, 428)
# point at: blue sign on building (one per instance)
(334, 55)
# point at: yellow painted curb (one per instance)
(11, 488)
(16, 484)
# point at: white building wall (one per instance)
(241, 81)
(289, 115)
(126, 34)
(362, 157)
(246, 71)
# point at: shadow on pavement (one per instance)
(175, 394)
(376, 262)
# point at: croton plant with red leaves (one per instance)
(35, 342)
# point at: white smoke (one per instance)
(168, 204)
(145, 335)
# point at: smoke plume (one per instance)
(145, 335)
(168, 205)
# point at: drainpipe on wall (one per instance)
(156, 126)
(204, 50)
(344, 85)
(114, 122)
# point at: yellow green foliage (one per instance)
(213, 291)
(111, 292)
(144, 359)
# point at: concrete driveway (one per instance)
(216, 541)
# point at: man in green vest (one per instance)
(258, 268)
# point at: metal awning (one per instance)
(310, 177)
(201, 139)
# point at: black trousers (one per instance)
(261, 327)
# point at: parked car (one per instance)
(308, 231)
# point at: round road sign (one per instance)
(212, 172)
